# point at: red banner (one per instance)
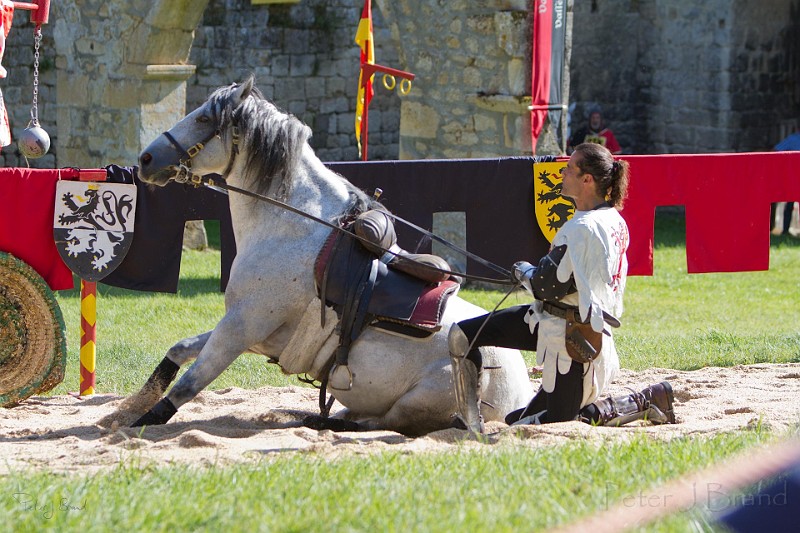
(727, 199)
(26, 221)
(547, 70)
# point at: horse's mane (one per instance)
(272, 139)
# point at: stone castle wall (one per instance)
(305, 60)
(679, 76)
(111, 74)
(468, 99)
(672, 75)
(473, 59)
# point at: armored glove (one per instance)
(522, 272)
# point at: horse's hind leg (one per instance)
(155, 386)
(420, 411)
(341, 422)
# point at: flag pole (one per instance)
(367, 71)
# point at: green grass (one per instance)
(501, 489)
(671, 320)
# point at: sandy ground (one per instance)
(61, 433)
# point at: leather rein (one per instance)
(184, 175)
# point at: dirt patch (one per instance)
(61, 433)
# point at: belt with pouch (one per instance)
(583, 344)
(560, 310)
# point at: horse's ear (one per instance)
(244, 89)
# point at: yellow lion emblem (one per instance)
(551, 209)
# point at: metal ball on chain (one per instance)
(33, 142)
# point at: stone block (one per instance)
(518, 71)
(336, 105)
(91, 47)
(194, 235)
(337, 86)
(472, 79)
(391, 121)
(350, 153)
(325, 68)
(302, 65)
(279, 65)
(511, 30)
(345, 122)
(679, 135)
(481, 24)
(183, 14)
(297, 107)
(460, 137)
(149, 45)
(315, 87)
(484, 123)
(451, 226)
(419, 120)
(375, 120)
(296, 41)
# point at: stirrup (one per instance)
(340, 377)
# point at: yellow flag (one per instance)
(364, 39)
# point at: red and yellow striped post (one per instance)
(88, 336)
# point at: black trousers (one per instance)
(788, 209)
(506, 328)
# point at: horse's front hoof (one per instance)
(158, 415)
(334, 424)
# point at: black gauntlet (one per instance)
(545, 283)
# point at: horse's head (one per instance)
(201, 143)
(207, 140)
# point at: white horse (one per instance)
(272, 303)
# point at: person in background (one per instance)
(595, 132)
(790, 143)
(577, 289)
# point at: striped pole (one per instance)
(88, 336)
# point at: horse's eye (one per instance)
(203, 119)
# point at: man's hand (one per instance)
(522, 272)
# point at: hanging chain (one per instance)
(37, 41)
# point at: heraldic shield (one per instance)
(552, 210)
(93, 226)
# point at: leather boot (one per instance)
(653, 404)
(467, 367)
(660, 397)
(467, 378)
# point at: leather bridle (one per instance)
(183, 170)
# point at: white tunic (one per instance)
(596, 244)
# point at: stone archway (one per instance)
(121, 75)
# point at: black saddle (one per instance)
(362, 287)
